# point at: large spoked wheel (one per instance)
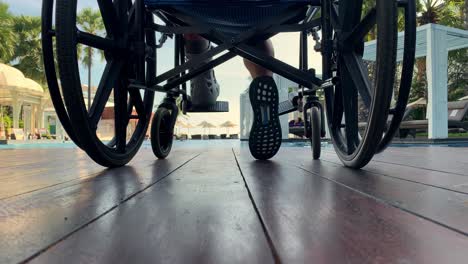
(162, 133)
(315, 137)
(129, 58)
(49, 66)
(397, 113)
(346, 24)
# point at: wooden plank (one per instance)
(444, 159)
(450, 160)
(72, 166)
(200, 214)
(13, 158)
(454, 182)
(30, 223)
(311, 219)
(442, 206)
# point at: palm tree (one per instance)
(431, 10)
(465, 12)
(7, 36)
(28, 50)
(91, 22)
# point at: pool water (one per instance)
(211, 143)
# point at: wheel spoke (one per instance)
(122, 14)
(360, 78)
(95, 41)
(334, 18)
(137, 102)
(350, 107)
(120, 116)
(349, 14)
(107, 83)
(111, 143)
(337, 107)
(109, 16)
(357, 35)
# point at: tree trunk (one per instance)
(466, 14)
(90, 61)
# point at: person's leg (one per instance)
(256, 70)
(265, 134)
(204, 88)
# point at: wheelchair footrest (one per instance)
(219, 107)
(286, 107)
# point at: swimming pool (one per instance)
(220, 143)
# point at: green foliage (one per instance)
(457, 74)
(7, 122)
(89, 21)
(7, 36)
(450, 13)
(28, 49)
(292, 89)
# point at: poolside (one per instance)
(229, 143)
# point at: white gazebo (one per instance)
(433, 42)
(18, 91)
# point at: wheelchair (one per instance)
(130, 46)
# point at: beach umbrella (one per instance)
(188, 126)
(227, 125)
(205, 125)
(179, 124)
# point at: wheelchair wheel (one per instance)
(162, 133)
(50, 65)
(345, 25)
(129, 56)
(409, 52)
(315, 138)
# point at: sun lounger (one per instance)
(196, 137)
(457, 118)
(18, 134)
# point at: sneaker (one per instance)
(265, 135)
(204, 89)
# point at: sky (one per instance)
(232, 77)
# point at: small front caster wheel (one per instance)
(315, 123)
(162, 133)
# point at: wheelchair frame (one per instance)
(176, 78)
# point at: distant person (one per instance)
(299, 122)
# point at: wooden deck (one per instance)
(217, 205)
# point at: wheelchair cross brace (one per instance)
(234, 46)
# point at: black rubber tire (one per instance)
(404, 90)
(381, 94)
(102, 153)
(50, 72)
(315, 138)
(162, 133)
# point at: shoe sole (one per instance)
(265, 135)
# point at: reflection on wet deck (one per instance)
(218, 205)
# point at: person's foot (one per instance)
(265, 135)
(204, 89)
